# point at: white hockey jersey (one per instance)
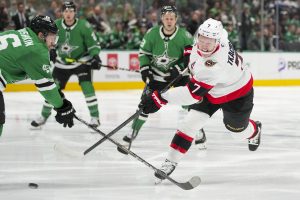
(222, 73)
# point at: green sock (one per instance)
(90, 98)
(46, 110)
(137, 124)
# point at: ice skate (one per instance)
(167, 168)
(254, 141)
(136, 126)
(128, 140)
(38, 123)
(200, 140)
(95, 122)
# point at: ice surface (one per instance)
(227, 168)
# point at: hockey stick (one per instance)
(120, 68)
(107, 66)
(191, 184)
(137, 113)
(162, 91)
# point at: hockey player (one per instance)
(162, 59)
(220, 81)
(76, 45)
(17, 48)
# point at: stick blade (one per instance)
(191, 184)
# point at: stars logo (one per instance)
(67, 48)
(164, 61)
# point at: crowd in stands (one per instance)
(122, 24)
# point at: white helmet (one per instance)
(211, 28)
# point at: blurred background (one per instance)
(253, 25)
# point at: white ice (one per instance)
(227, 168)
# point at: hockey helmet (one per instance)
(166, 9)
(211, 28)
(43, 24)
(68, 5)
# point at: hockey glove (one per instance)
(152, 103)
(96, 62)
(174, 73)
(53, 55)
(65, 114)
(146, 74)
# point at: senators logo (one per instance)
(209, 63)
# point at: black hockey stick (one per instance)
(107, 66)
(191, 184)
(137, 113)
(173, 82)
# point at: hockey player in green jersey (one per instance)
(77, 44)
(162, 59)
(24, 54)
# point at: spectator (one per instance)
(20, 19)
(233, 35)
(53, 7)
(153, 21)
(97, 21)
(246, 27)
(137, 36)
(3, 16)
(117, 39)
(196, 20)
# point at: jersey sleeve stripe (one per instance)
(92, 47)
(45, 86)
(142, 53)
(231, 96)
(187, 50)
(195, 96)
(43, 80)
(202, 84)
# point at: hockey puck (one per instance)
(33, 185)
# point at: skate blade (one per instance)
(201, 146)
(35, 128)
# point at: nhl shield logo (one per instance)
(209, 63)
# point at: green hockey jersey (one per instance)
(76, 41)
(161, 52)
(23, 55)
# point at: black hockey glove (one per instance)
(152, 103)
(53, 55)
(96, 62)
(65, 114)
(146, 74)
(174, 73)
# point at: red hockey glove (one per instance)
(152, 103)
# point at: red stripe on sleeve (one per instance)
(202, 84)
(193, 94)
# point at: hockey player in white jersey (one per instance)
(219, 81)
